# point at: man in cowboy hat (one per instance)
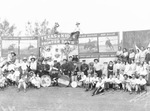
(31, 56)
(24, 64)
(75, 34)
(11, 57)
(33, 64)
(84, 67)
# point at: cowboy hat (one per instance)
(77, 23)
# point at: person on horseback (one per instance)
(109, 44)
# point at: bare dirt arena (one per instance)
(69, 99)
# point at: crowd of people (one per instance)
(129, 72)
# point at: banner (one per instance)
(56, 39)
(55, 47)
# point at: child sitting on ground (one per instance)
(99, 87)
(88, 82)
(141, 84)
(94, 81)
(22, 83)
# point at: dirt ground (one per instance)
(71, 99)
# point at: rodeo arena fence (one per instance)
(97, 62)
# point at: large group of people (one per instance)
(129, 72)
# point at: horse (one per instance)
(90, 45)
(30, 47)
(11, 47)
(108, 44)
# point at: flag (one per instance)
(136, 47)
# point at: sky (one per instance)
(95, 16)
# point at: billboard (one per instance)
(98, 45)
(9, 44)
(88, 44)
(136, 38)
(22, 46)
(28, 46)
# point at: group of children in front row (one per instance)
(130, 77)
(118, 82)
(15, 78)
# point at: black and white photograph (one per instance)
(74, 55)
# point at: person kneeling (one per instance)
(141, 84)
(99, 87)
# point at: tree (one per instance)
(6, 29)
(38, 29)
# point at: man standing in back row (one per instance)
(84, 67)
(98, 67)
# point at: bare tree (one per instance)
(38, 29)
(6, 29)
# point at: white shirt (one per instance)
(142, 54)
(141, 81)
(117, 80)
(125, 54)
(17, 73)
(77, 29)
(138, 69)
(133, 81)
(112, 80)
(89, 79)
(100, 84)
(33, 65)
(83, 78)
(132, 55)
(24, 65)
(127, 68)
(133, 67)
(118, 66)
(119, 53)
(11, 67)
(95, 79)
(98, 66)
(137, 57)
